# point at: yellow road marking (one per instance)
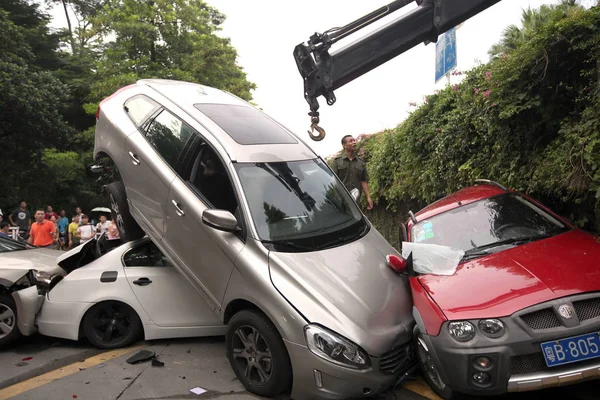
(421, 387)
(70, 369)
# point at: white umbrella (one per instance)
(101, 209)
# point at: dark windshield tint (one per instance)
(8, 245)
(299, 201)
(246, 125)
(485, 222)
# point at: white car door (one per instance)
(166, 296)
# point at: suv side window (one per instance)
(139, 108)
(168, 135)
(146, 255)
(205, 173)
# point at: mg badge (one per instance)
(566, 311)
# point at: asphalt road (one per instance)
(47, 369)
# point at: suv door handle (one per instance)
(142, 282)
(178, 208)
(134, 158)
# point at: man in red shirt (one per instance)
(43, 232)
(50, 213)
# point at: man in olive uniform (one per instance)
(351, 170)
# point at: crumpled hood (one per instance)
(348, 289)
(510, 280)
(15, 264)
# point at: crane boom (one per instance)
(324, 71)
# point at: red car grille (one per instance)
(587, 309)
(547, 319)
(541, 319)
(526, 364)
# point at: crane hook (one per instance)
(315, 126)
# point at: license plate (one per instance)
(570, 350)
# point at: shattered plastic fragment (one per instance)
(141, 356)
(198, 390)
(157, 363)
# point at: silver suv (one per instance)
(266, 233)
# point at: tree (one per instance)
(80, 35)
(171, 39)
(532, 20)
(31, 119)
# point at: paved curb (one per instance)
(50, 366)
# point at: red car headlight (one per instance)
(462, 331)
(493, 328)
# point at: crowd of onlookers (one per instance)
(55, 230)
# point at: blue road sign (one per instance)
(445, 54)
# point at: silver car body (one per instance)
(349, 289)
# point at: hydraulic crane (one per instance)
(323, 72)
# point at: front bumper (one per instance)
(518, 362)
(28, 302)
(315, 377)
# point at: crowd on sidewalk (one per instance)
(55, 230)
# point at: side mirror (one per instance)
(220, 219)
(355, 194)
(396, 263)
(96, 169)
(401, 265)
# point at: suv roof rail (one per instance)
(489, 182)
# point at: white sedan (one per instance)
(118, 293)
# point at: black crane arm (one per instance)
(323, 72)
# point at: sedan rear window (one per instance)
(246, 125)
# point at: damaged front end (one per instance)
(29, 293)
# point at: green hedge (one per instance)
(529, 119)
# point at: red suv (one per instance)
(522, 310)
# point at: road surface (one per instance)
(47, 369)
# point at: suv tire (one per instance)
(258, 355)
(129, 229)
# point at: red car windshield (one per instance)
(486, 222)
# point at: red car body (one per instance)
(499, 286)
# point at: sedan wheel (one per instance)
(110, 325)
(8, 321)
(258, 355)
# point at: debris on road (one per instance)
(141, 356)
(157, 363)
(198, 390)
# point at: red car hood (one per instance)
(503, 283)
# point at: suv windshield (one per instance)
(300, 205)
(506, 219)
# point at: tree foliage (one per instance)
(52, 81)
(530, 119)
(168, 39)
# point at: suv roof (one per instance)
(460, 198)
(247, 133)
